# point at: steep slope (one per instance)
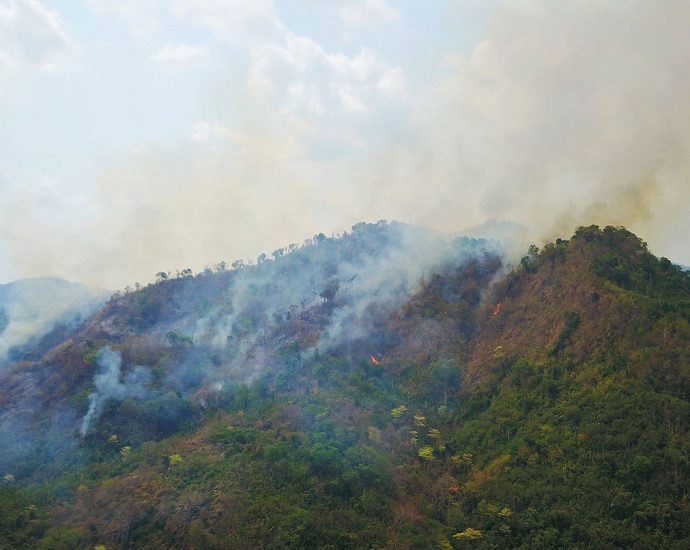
(362, 394)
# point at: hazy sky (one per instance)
(146, 135)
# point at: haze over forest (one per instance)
(344, 274)
(147, 135)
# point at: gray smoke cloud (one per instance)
(574, 113)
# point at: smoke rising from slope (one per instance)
(564, 114)
(386, 280)
(343, 287)
(109, 385)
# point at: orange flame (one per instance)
(375, 361)
(497, 309)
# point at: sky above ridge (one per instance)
(147, 135)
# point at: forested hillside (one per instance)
(391, 388)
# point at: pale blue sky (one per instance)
(157, 134)
(111, 94)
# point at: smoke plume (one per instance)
(110, 385)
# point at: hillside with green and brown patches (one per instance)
(545, 408)
(600, 297)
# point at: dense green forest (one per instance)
(391, 388)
